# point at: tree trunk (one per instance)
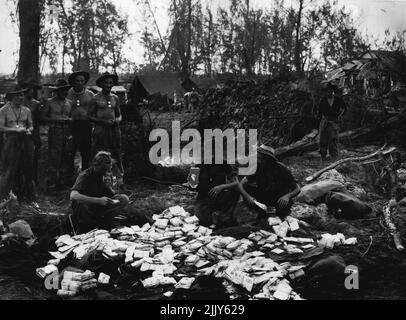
(186, 72)
(298, 48)
(29, 13)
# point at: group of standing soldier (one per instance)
(78, 121)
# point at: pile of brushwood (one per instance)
(283, 110)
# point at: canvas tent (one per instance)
(161, 86)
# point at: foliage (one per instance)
(243, 40)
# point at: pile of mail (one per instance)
(175, 242)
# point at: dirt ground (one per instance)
(382, 270)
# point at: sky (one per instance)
(372, 16)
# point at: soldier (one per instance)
(331, 110)
(35, 108)
(57, 113)
(94, 203)
(18, 149)
(81, 126)
(104, 111)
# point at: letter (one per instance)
(352, 281)
(251, 160)
(52, 281)
(193, 147)
(163, 310)
(182, 310)
(162, 145)
(176, 141)
(219, 136)
(191, 309)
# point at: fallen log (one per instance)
(379, 152)
(307, 145)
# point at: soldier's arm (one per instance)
(45, 113)
(117, 111)
(30, 125)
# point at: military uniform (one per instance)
(81, 126)
(17, 153)
(60, 155)
(329, 125)
(35, 108)
(107, 137)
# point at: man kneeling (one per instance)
(94, 203)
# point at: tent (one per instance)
(161, 85)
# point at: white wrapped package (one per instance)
(282, 229)
(350, 241)
(103, 278)
(46, 271)
(192, 220)
(157, 281)
(293, 223)
(273, 221)
(161, 223)
(176, 221)
(283, 290)
(185, 283)
(178, 211)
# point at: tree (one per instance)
(92, 34)
(298, 43)
(29, 13)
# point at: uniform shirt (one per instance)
(105, 107)
(81, 102)
(14, 118)
(92, 184)
(332, 112)
(270, 182)
(57, 109)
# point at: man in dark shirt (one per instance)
(331, 109)
(271, 185)
(217, 195)
(94, 203)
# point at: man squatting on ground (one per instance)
(81, 125)
(331, 109)
(18, 149)
(94, 203)
(104, 111)
(223, 201)
(57, 114)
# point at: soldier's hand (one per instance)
(214, 192)
(283, 202)
(20, 129)
(104, 201)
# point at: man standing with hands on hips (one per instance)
(81, 126)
